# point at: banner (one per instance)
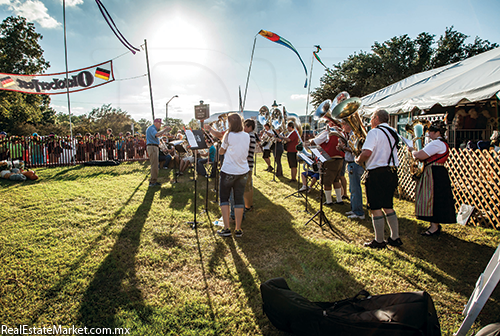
(50, 84)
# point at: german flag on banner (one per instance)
(7, 81)
(102, 73)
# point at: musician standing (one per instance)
(278, 152)
(355, 172)
(152, 146)
(434, 201)
(249, 127)
(267, 147)
(292, 140)
(380, 153)
(332, 167)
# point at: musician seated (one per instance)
(166, 155)
(314, 174)
(206, 158)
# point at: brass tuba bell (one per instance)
(417, 129)
(348, 112)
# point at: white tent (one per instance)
(476, 78)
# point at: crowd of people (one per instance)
(36, 150)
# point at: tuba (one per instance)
(417, 129)
(347, 110)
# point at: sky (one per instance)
(200, 50)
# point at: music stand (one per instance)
(298, 193)
(179, 149)
(320, 154)
(196, 140)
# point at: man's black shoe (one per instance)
(396, 242)
(375, 244)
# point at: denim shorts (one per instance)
(232, 182)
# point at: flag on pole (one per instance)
(318, 48)
(278, 39)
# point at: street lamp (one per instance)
(166, 109)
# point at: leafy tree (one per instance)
(394, 60)
(20, 53)
(143, 125)
(194, 124)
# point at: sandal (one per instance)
(427, 233)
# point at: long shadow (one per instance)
(115, 284)
(281, 252)
(52, 293)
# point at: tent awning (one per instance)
(474, 79)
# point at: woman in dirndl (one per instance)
(434, 201)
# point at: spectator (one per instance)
(4, 147)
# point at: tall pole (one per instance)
(309, 92)
(166, 109)
(149, 79)
(66, 61)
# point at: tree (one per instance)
(394, 60)
(143, 125)
(20, 53)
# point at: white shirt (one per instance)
(377, 143)
(435, 147)
(271, 135)
(235, 158)
(321, 138)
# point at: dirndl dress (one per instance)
(434, 200)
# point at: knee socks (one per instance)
(378, 227)
(392, 220)
(338, 194)
(328, 195)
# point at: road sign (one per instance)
(202, 111)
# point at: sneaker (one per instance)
(354, 216)
(304, 188)
(348, 213)
(224, 233)
(339, 203)
(238, 233)
(249, 209)
(396, 242)
(375, 244)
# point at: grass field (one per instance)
(95, 247)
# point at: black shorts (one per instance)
(381, 184)
(267, 154)
(292, 159)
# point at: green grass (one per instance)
(95, 247)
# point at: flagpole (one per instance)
(149, 79)
(308, 93)
(66, 61)
(249, 68)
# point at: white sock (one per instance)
(328, 195)
(392, 220)
(378, 227)
(338, 194)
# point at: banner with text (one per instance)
(50, 84)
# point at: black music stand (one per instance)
(323, 157)
(298, 193)
(179, 149)
(196, 140)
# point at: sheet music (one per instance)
(318, 154)
(306, 159)
(408, 142)
(191, 139)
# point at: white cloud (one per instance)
(33, 11)
(299, 97)
(73, 3)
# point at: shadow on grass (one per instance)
(115, 285)
(271, 247)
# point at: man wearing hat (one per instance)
(152, 145)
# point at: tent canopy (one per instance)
(476, 78)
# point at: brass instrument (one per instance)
(347, 111)
(417, 129)
(263, 117)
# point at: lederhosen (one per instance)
(433, 191)
(381, 182)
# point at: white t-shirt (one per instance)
(435, 147)
(235, 158)
(377, 143)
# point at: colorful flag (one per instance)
(278, 39)
(7, 81)
(102, 73)
(318, 48)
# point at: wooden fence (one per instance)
(475, 179)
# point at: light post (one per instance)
(166, 109)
